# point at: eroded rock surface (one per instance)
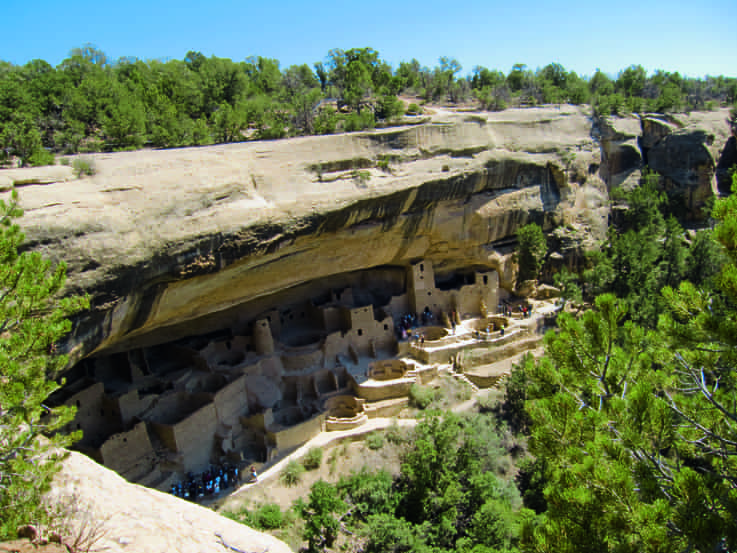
(118, 516)
(165, 242)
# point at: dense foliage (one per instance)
(631, 412)
(89, 103)
(32, 320)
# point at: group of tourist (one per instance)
(209, 483)
(507, 309)
(410, 321)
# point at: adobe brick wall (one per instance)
(231, 401)
(120, 452)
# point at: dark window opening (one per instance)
(386, 327)
(227, 344)
(486, 279)
(360, 332)
(422, 266)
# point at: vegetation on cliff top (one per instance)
(89, 103)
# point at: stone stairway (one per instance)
(463, 378)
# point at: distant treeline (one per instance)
(89, 104)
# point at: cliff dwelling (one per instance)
(274, 373)
(242, 302)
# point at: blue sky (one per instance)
(694, 38)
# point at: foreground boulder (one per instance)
(109, 514)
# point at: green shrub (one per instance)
(313, 459)
(84, 167)
(375, 440)
(292, 473)
(394, 434)
(413, 109)
(383, 164)
(389, 107)
(267, 516)
(475, 119)
(446, 168)
(361, 176)
(326, 121)
(359, 121)
(41, 157)
(65, 161)
(422, 396)
(369, 492)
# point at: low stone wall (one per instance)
(387, 369)
(433, 333)
(286, 439)
(387, 407)
(335, 423)
(492, 323)
(372, 390)
(484, 381)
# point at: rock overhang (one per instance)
(162, 239)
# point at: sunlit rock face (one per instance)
(180, 242)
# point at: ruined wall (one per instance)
(231, 401)
(286, 439)
(91, 417)
(123, 450)
(195, 436)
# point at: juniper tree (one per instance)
(32, 320)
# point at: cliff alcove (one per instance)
(238, 289)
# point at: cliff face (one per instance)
(171, 243)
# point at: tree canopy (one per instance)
(91, 103)
(32, 320)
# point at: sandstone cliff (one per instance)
(170, 243)
(118, 516)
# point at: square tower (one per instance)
(420, 286)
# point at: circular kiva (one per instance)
(388, 369)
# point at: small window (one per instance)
(429, 293)
(227, 344)
(78, 404)
(422, 266)
(486, 279)
(360, 332)
(386, 327)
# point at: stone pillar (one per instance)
(263, 341)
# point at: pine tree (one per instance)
(32, 320)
